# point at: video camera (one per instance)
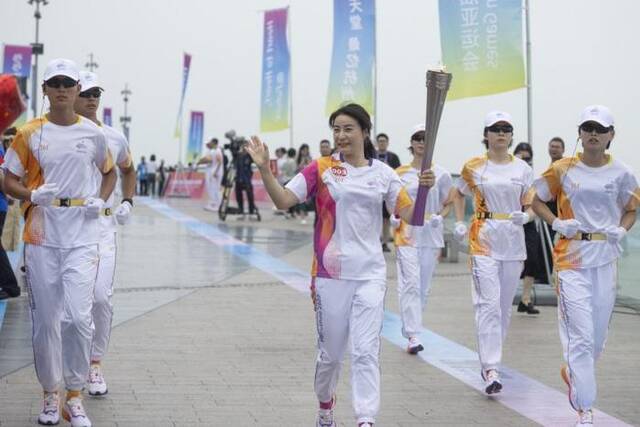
(235, 142)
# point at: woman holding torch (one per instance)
(349, 270)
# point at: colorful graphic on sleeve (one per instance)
(326, 257)
(470, 169)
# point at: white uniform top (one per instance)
(407, 235)
(119, 149)
(597, 197)
(43, 152)
(349, 211)
(215, 154)
(497, 188)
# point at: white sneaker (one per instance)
(210, 208)
(492, 382)
(415, 346)
(73, 411)
(365, 425)
(585, 418)
(325, 416)
(50, 414)
(96, 384)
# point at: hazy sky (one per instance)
(584, 53)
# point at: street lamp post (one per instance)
(91, 65)
(126, 119)
(37, 48)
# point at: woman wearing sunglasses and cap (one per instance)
(418, 248)
(499, 184)
(597, 200)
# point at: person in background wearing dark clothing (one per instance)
(304, 159)
(325, 148)
(393, 161)
(244, 173)
(8, 284)
(161, 178)
(152, 168)
(533, 265)
(141, 172)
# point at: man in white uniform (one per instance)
(213, 160)
(87, 105)
(50, 166)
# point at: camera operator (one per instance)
(244, 173)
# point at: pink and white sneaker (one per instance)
(50, 415)
(325, 414)
(74, 412)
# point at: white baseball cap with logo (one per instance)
(62, 67)
(89, 80)
(497, 116)
(418, 128)
(597, 113)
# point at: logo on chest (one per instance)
(82, 147)
(339, 173)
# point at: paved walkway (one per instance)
(203, 337)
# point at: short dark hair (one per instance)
(291, 152)
(523, 146)
(382, 135)
(360, 115)
(557, 139)
(325, 141)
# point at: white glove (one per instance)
(395, 222)
(435, 221)
(93, 206)
(615, 234)
(123, 212)
(45, 194)
(519, 217)
(459, 231)
(567, 227)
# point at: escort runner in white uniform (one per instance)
(597, 200)
(499, 184)
(50, 166)
(418, 248)
(87, 105)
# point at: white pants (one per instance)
(102, 307)
(415, 271)
(585, 304)
(213, 189)
(352, 308)
(493, 290)
(60, 283)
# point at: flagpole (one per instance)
(375, 73)
(290, 77)
(529, 98)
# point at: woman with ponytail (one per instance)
(349, 270)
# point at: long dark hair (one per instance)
(360, 115)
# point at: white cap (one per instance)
(61, 67)
(597, 113)
(497, 116)
(89, 80)
(418, 128)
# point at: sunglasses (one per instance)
(92, 93)
(589, 127)
(58, 82)
(500, 128)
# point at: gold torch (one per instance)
(438, 82)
